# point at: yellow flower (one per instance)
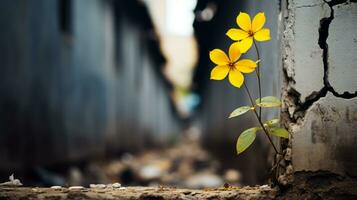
(230, 65)
(249, 30)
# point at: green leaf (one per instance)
(268, 102)
(272, 123)
(240, 111)
(280, 132)
(246, 139)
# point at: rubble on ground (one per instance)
(184, 165)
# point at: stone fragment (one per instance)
(76, 188)
(56, 187)
(12, 181)
(97, 186)
(116, 185)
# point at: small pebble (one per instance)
(97, 186)
(263, 187)
(116, 185)
(56, 187)
(76, 188)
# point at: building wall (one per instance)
(320, 85)
(74, 91)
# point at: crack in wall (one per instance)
(293, 111)
(323, 33)
(301, 107)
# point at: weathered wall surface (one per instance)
(320, 84)
(72, 91)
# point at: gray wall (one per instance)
(320, 104)
(66, 96)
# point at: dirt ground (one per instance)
(307, 185)
(320, 185)
(140, 193)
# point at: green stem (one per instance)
(259, 81)
(259, 120)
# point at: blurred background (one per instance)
(100, 91)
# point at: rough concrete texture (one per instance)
(305, 49)
(320, 84)
(342, 41)
(326, 138)
(139, 193)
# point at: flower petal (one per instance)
(262, 35)
(258, 22)
(244, 21)
(236, 78)
(246, 65)
(245, 44)
(219, 72)
(237, 34)
(234, 52)
(218, 57)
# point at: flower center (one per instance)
(251, 33)
(231, 66)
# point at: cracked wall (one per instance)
(320, 84)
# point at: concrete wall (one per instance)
(69, 94)
(320, 84)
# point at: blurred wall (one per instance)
(219, 98)
(79, 78)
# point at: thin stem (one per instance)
(259, 120)
(258, 76)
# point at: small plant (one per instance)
(248, 33)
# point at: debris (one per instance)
(178, 166)
(76, 188)
(12, 182)
(116, 185)
(264, 187)
(185, 164)
(97, 186)
(56, 187)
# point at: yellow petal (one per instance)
(262, 35)
(218, 57)
(245, 44)
(219, 72)
(244, 22)
(258, 22)
(234, 52)
(236, 78)
(246, 65)
(237, 34)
